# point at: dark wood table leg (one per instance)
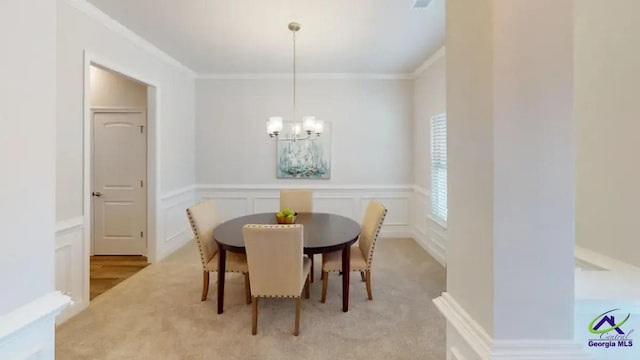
(222, 263)
(346, 269)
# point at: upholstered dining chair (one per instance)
(203, 218)
(277, 267)
(361, 253)
(298, 201)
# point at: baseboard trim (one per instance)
(602, 261)
(176, 242)
(474, 334)
(47, 306)
(436, 251)
(74, 309)
(496, 349)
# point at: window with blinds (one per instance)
(439, 167)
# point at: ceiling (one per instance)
(251, 36)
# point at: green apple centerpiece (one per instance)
(286, 216)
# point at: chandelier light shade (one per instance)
(309, 128)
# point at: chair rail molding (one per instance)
(28, 332)
(348, 200)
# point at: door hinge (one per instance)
(141, 183)
(141, 234)
(141, 129)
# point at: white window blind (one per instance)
(439, 167)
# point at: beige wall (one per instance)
(469, 87)
(370, 124)
(429, 99)
(110, 89)
(607, 111)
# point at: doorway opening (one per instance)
(118, 178)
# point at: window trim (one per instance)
(433, 216)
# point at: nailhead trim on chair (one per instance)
(375, 238)
(373, 244)
(195, 231)
(202, 259)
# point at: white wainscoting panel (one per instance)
(431, 235)
(28, 332)
(265, 203)
(175, 224)
(347, 200)
(71, 263)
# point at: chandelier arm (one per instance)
(312, 136)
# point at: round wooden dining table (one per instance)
(323, 233)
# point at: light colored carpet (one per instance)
(157, 314)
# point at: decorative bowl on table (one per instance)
(286, 217)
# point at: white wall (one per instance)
(607, 109)
(27, 157)
(78, 32)
(429, 99)
(27, 127)
(511, 179)
(82, 31)
(371, 122)
(470, 158)
(370, 119)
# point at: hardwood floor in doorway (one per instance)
(108, 271)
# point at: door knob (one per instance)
(96, 194)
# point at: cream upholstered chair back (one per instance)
(296, 200)
(370, 229)
(274, 255)
(204, 218)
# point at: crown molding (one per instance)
(440, 53)
(110, 23)
(303, 76)
(602, 261)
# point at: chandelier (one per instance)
(309, 128)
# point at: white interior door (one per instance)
(119, 182)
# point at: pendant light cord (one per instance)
(294, 78)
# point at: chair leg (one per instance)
(325, 284)
(369, 284)
(298, 305)
(247, 288)
(362, 276)
(205, 285)
(254, 324)
(311, 271)
(306, 288)
(322, 272)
